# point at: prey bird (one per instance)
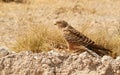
(77, 41)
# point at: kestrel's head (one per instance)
(61, 24)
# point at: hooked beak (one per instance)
(55, 24)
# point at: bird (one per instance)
(77, 41)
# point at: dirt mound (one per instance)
(58, 63)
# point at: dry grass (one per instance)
(39, 38)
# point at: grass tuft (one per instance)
(39, 38)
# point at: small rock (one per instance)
(4, 51)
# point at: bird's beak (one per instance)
(55, 24)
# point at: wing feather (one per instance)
(79, 37)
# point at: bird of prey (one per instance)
(76, 40)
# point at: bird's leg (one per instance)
(70, 47)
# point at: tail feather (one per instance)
(100, 50)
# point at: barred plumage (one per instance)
(76, 39)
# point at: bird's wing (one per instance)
(83, 40)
